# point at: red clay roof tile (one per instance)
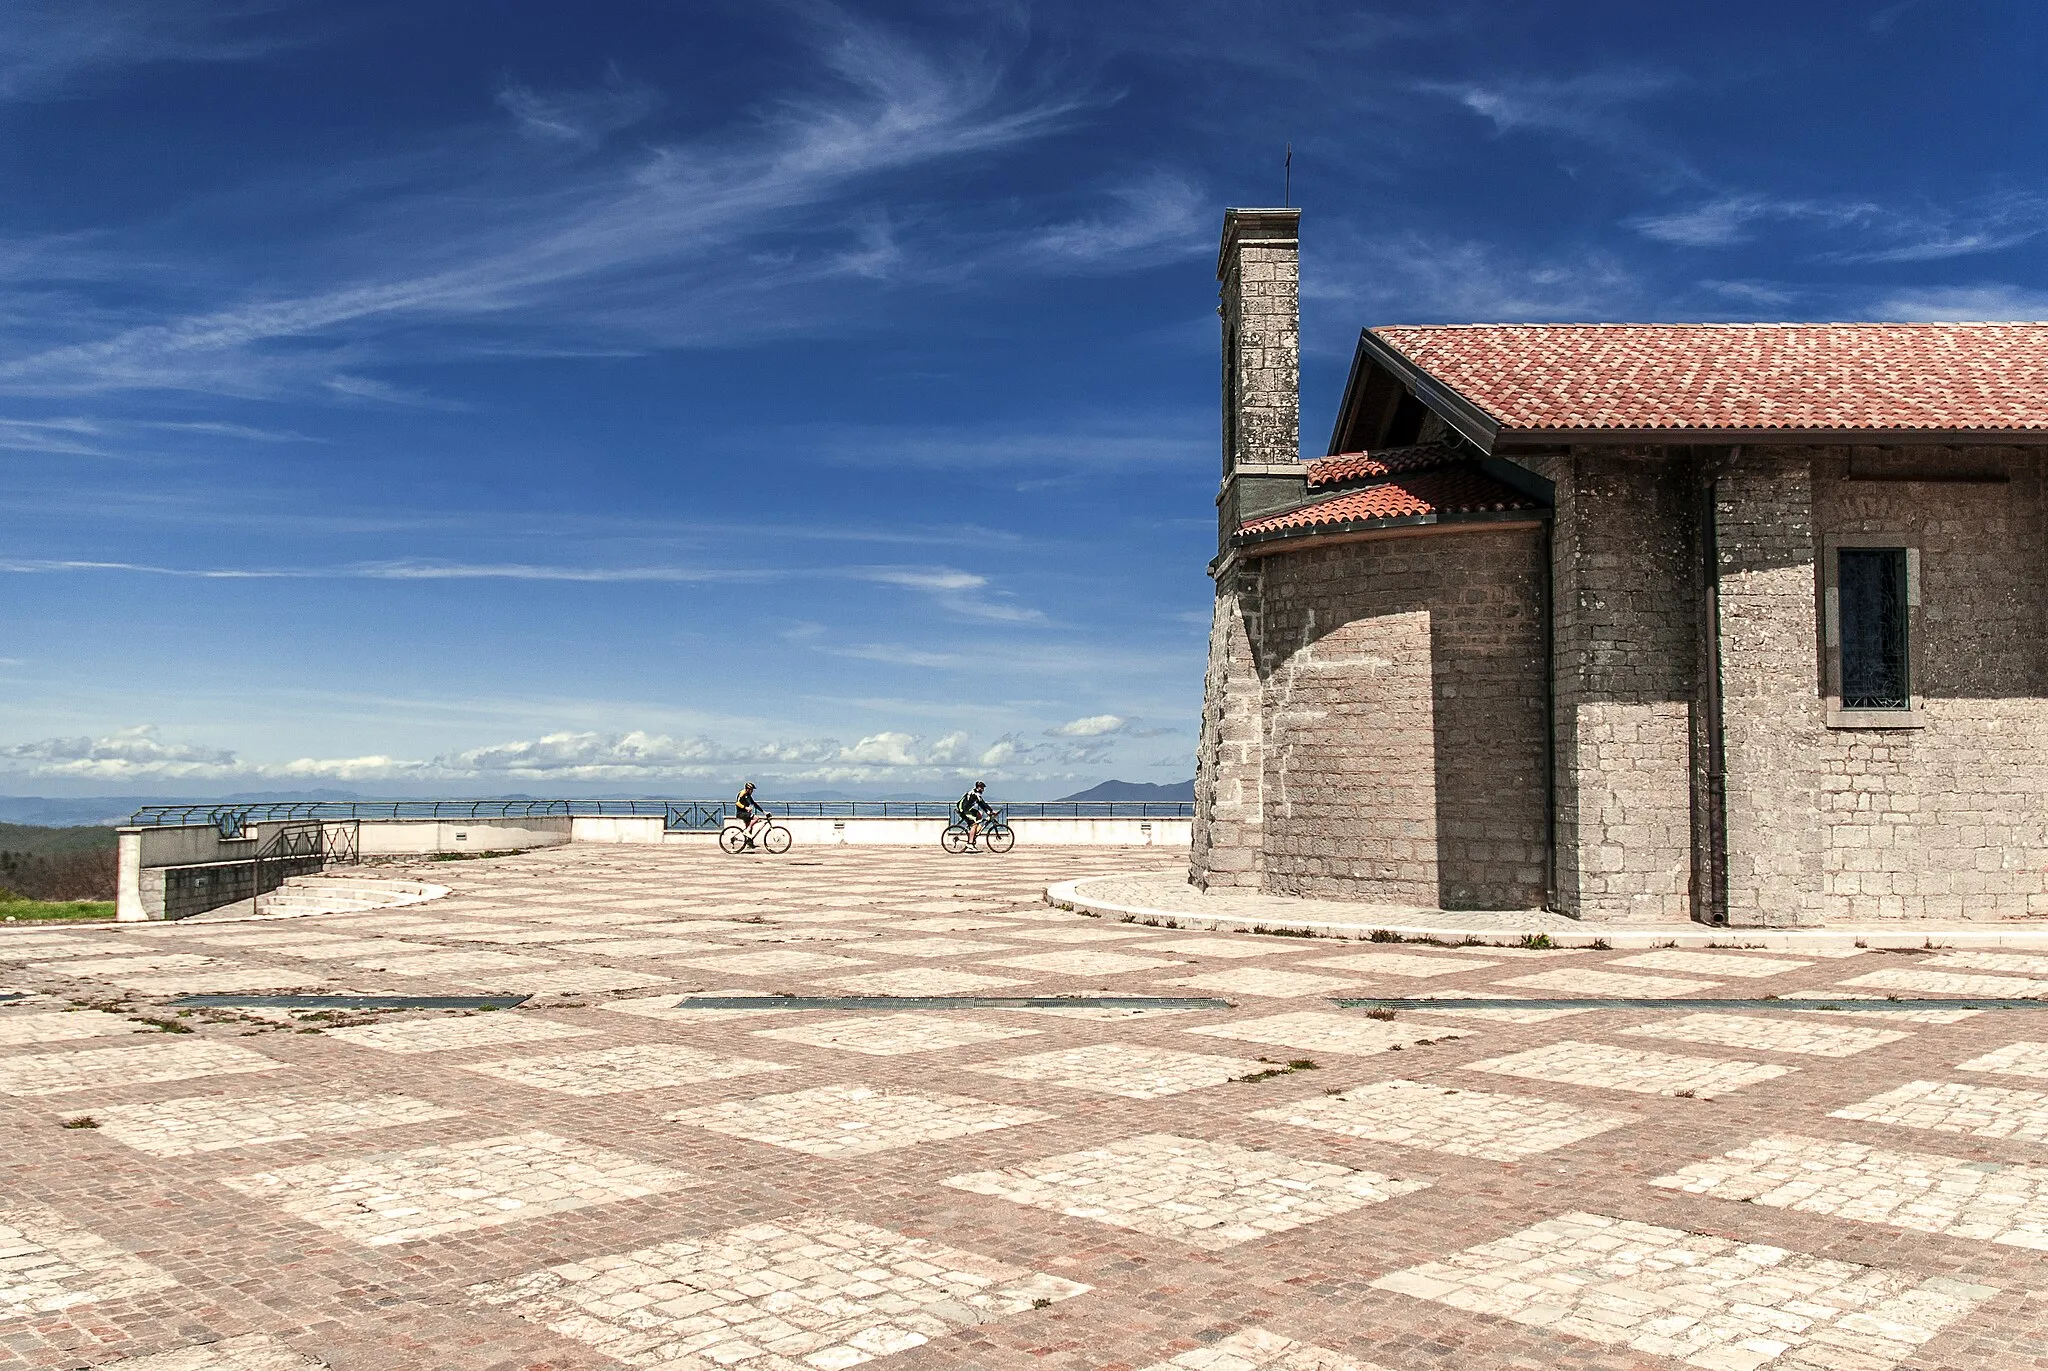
(1393, 461)
(1741, 376)
(1460, 490)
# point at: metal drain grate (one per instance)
(1590, 1002)
(948, 1002)
(351, 1001)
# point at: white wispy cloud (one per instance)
(47, 47)
(1424, 278)
(142, 754)
(1857, 230)
(581, 117)
(637, 249)
(1984, 301)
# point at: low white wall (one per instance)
(909, 832)
(401, 837)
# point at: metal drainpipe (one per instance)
(1714, 898)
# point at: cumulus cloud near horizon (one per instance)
(143, 753)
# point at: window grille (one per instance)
(1872, 582)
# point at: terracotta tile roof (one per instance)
(1393, 461)
(1458, 490)
(1741, 376)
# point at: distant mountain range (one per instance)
(1137, 790)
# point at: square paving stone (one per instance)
(2016, 962)
(921, 980)
(447, 1035)
(212, 1123)
(56, 1073)
(1710, 963)
(1210, 1195)
(568, 980)
(398, 1197)
(1700, 1300)
(1083, 962)
(1317, 1031)
(615, 1070)
(450, 963)
(48, 1263)
(1608, 1067)
(1132, 1070)
(779, 962)
(1259, 980)
(1580, 980)
(810, 1292)
(23, 1029)
(1803, 1037)
(854, 1120)
(1076, 933)
(1922, 1191)
(1218, 946)
(935, 947)
(2014, 1059)
(249, 1352)
(1464, 1123)
(1953, 984)
(1980, 1111)
(1397, 964)
(1259, 1349)
(896, 1034)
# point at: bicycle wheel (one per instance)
(1001, 838)
(732, 837)
(776, 839)
(954, 839)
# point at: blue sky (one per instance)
(438, 397)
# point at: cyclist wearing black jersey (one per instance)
(748, 811)
(973, 809)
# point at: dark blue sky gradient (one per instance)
(627, 397)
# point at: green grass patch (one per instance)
(24, 911)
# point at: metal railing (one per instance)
(677, 815)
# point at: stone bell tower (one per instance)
(1258, 268)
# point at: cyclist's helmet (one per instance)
(980, 785)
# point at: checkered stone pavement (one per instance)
(1694, 1298)
(1438, 1118)
(805, 1293)
(407, 1196)
(1211, 1195)
(853, 1120)
(1235, 1187)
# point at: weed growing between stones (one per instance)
(82, 1121)
(1536, 942)
(1277, 1069)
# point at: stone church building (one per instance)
(1734, 623)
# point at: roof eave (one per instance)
(1465, 417)
(1510, 437)
(1242, 540)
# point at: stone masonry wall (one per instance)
(1404, 743)
(1771, 708)
(1625, 617)
(1947, 821)
(1228, 803)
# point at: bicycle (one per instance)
(996, 835)
(772, 837)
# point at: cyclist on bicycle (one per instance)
(973, 810)
(748, 811)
